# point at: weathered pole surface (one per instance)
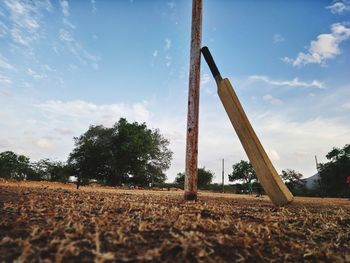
(191, 170)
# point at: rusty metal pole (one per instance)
(191, 171)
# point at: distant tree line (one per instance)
(19, 167)
(332, 176)
(127, 153)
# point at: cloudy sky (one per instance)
(67, 64)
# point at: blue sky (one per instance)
(67, 64)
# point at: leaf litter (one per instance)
(61, 224)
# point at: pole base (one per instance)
(190, 196)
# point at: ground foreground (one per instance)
(52, 222)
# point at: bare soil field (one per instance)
(52, 222)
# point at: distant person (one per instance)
(258, 192)
(250, 188)
(78, 182)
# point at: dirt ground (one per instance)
(52, 222)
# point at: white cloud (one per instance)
(33, 74)
(46, 130)
(291, 83)
(155, 53)
(167, 44)
(3, 29)
(65, 7)
(66, 35)
(277, 38)
(20, 38)
(346, 106)
(4, 64)
(168, 60)
(101, 114)
(64, 131)
(25, 19)
(4, 79)
(43, 143)
(297, 141)
(325, 47)
(273, 154)
(274, 101)
(27, 85)
(339, 7)
(47, 68)
(5, 144)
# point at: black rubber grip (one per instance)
(210, 61)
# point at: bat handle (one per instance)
(211, 63)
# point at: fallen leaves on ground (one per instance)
(66, 225)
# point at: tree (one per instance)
(50, 171)
(125, 153)
(243, 171)
(13, 166)
(334, 173)
(180, 179)
(293, 179)
(91, 157)
(205, 178)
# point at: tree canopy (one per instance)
(243, 171)
(125, 153)
(334, 173)
(19, 167)
(205, 178)
(293, 179)
(54, 171)
(13, 166)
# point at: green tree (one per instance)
(125, 153)
(334, 173)
(205, 178)
(13, 166)
(50, 171)
(92, 156)
(243, 171)
(180, 179)
(293, 179)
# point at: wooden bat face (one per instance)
(264, 169)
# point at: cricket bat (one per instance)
(263, 167)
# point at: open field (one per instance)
(54, 222)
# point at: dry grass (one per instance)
(54, 222)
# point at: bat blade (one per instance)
(264, 169)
